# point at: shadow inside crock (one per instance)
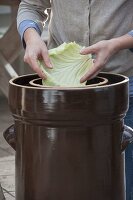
(95, 82)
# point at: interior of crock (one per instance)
(112, 79)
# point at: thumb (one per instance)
(88, 50)
(46, 59)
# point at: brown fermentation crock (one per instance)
(70, 141)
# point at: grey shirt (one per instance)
(85, 22)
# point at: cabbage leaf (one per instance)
(68, 66)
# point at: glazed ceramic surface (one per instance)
(68, 140)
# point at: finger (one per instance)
(46, 59)
(95, 69)
(88, 50)
(88, 76)
(98, 64)
(34, 65)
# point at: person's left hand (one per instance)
(103, 50)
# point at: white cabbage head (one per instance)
(68, 66)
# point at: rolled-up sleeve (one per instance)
(27, 24)
(33, 10)
(24, 25)
(131, 33)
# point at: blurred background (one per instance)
(11, 65)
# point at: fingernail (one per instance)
(82, 80)
(49, 65)
(43, 75)
(82, 50)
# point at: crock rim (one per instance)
(11, 82)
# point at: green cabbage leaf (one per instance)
(68, 66)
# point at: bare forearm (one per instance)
(123, 42)
(30, 35)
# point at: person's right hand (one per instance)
(35, 50)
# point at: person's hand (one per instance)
(35, 50)
(102, 50)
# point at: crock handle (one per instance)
(127, 137)
(10, 136)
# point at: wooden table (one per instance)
(10, 47)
